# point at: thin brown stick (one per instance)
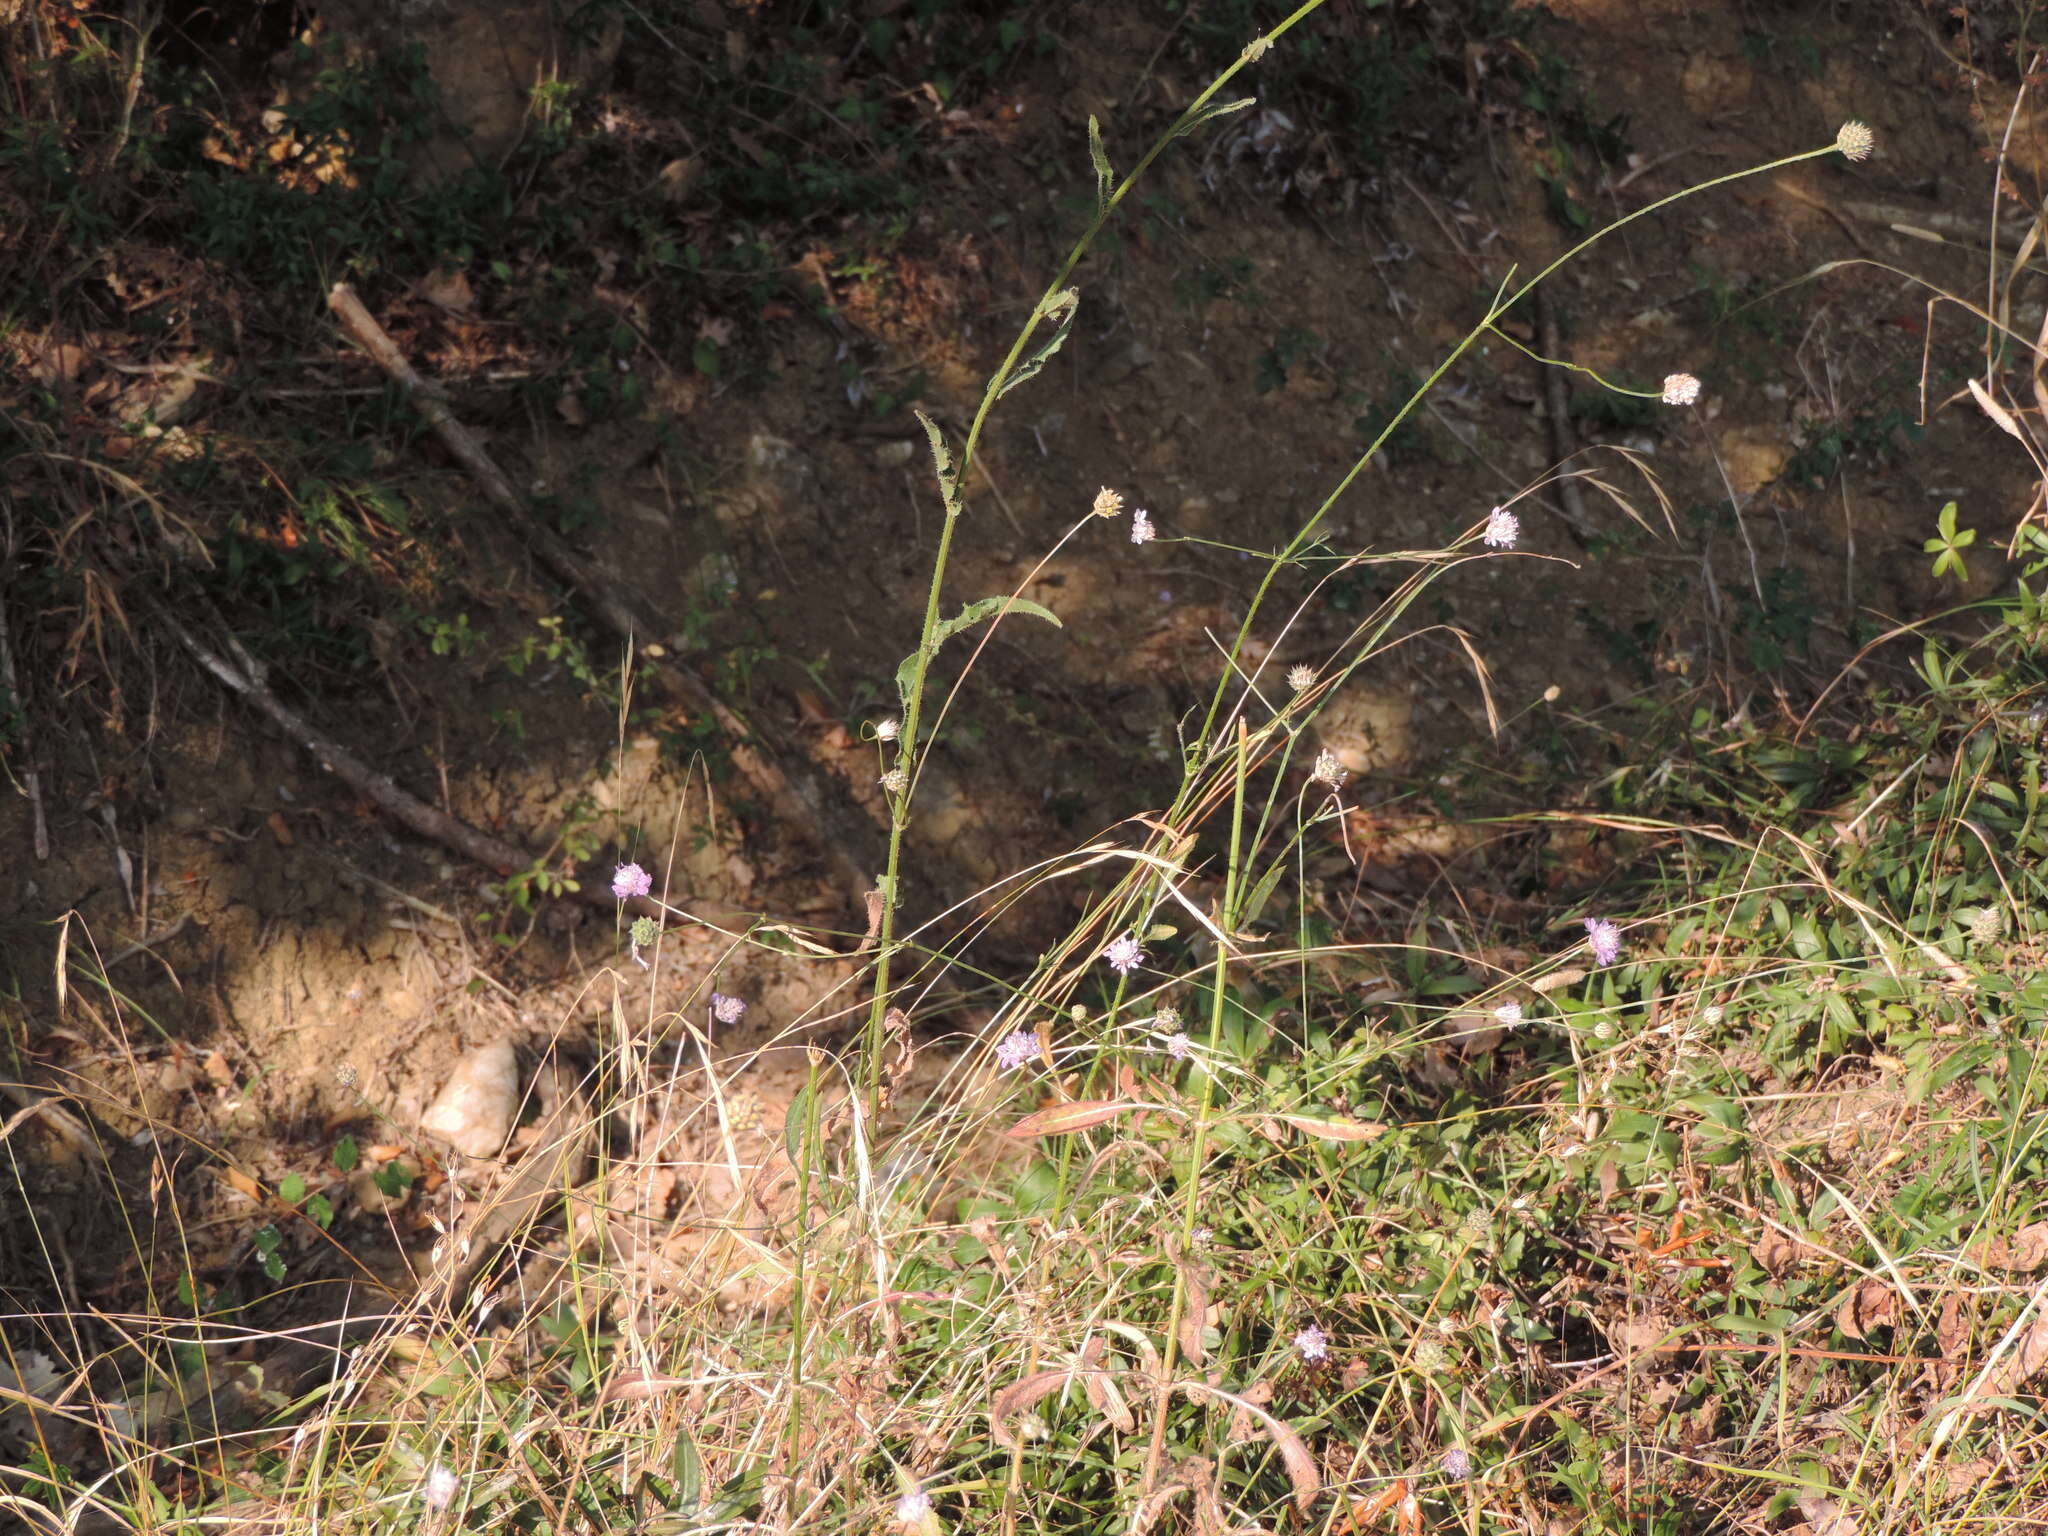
(847, 838)
(241, 677)
(1557, 407)
(31, 779)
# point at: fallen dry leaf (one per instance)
(2026, 1358)
(2027, 1251)
(1870, 1304)
(1776, 1252)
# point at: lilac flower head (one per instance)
(1142, 531)
(1457, 1464)
(1502, 529)
(913, 1507)
(1605, 939)
(728, 1010)
(1016, 1048)
(1177, 1045)
(630, 880)
(1124, 955)
(1313, 1343)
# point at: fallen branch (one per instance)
(31, 780)
(846, 837)
(241, 675)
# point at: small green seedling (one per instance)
(1948, 546)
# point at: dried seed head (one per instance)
(895, 781)
(1328, 770)
(1107, 503)
(1855, 140)
(1680, 389)
(1987, 924)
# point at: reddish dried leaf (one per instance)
(1063, 1119)
(1018, 1397)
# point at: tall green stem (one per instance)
(912, 748)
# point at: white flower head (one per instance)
(888, 730)
(440, 1488)
(1680, 389)
(912, 1508)
(1328, 770)
(1502, 529)
(1142, 531)
(1313, 1343)
(1508, 1015)
(1107, 503)
(1855, 140)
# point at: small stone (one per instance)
(475, 1108)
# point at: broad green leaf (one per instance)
(291, 1189)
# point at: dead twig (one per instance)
(242, 676)
(31, 779)
(1557, 407)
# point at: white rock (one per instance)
(475, 1107)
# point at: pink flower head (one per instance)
(1605, 939)
(1016, 1048)
(1313, 1343)
(1142, 531)
(1124, 955)
(728, 1010)
(1177, 1045)
(630, 880)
